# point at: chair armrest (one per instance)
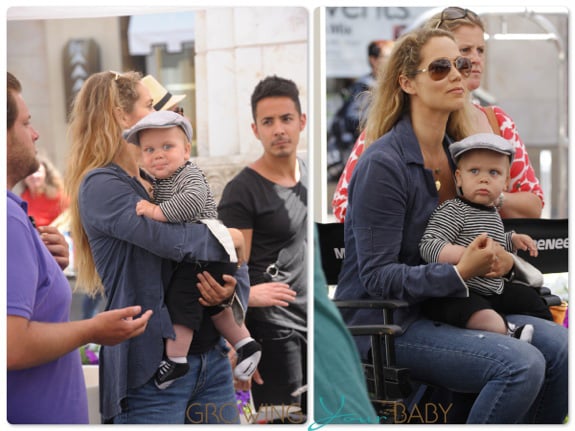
(547, 296)
(543, 290)
(386, 305)
(551, 300)
(389, 304)
(375, 330)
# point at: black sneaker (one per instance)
(523, 332)
(168, 372)
(248, 358)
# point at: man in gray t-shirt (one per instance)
(267, 202)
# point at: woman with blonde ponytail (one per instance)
(130, 259)
(95, 119)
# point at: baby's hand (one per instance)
(150, 210)
(142, 207)
(525, 243)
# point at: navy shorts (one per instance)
(182, 295)
(515, 299)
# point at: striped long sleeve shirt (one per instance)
(459, 222)
(185, 196)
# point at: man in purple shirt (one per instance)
(45, 383)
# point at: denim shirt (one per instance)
(391, 197)
(130, 253)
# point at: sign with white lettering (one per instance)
(349, 30)
(552, 239)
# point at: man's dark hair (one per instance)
(274, 86)
(373, 49)
(14, 87)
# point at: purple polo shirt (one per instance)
(38, 290)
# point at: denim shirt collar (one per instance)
(134, 181)
(411, 149)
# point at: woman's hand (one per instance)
(213, 293)
(56, 244)
(503, 262)
(269, 294)
(478, 258)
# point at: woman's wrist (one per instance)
(499, 201)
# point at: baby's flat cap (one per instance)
(486, 141)
(159, 120)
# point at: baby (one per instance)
(181, 194)
(483, 162)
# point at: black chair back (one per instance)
(552, 239)
(332, 248)
(551, 236)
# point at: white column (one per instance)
(236, 48)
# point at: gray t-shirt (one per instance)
(278, 217)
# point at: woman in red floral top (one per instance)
(525, 196)
(44, 192)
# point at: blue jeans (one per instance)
(516, 382)
(204, 395)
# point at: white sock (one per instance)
(178, 359)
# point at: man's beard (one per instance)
(22, 163)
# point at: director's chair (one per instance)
(388, 383)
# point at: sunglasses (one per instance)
(440, 68)
(117, 75)
(453, 13)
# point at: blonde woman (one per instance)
(129, 257)
(405, 172)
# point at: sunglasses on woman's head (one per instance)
(439, 69)
(116, 74)
(453, 13)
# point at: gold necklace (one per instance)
(436, 172)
